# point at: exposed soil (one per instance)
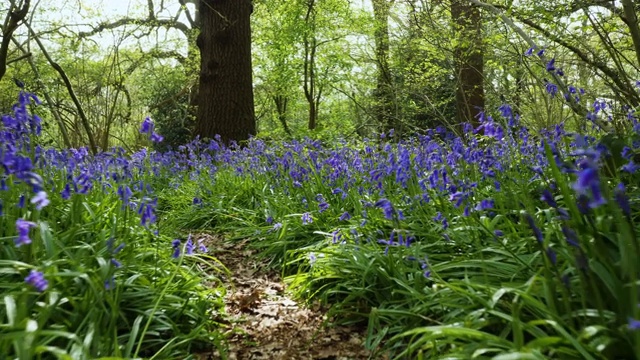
(264, 323)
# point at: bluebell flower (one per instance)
(345, 216)
(386, 207)
(110, 283)
(306, 218)
(176, 248)
(147, 126)
(551, 255)
(37, 280)
(552, 89)
(66, 192)
(424, 265)
(536, 231)
(323, 206)
(548, 198)
(498, 233)
(633, 324)
(202, 247)
(485, 205)
(23, 227)
(312, 258)
(40, 200)
(529, 51)
(189, 246)
(551, 65)
(589, 181)
(571, 236)
(156, 138)
(622, 199)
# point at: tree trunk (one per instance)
(281, 102)
(469, 61)
(384, 89)
(225, 99)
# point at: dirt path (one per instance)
(264, 323)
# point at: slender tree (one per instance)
(469, 60)
(384, 87)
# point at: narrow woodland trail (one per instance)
(264, 323)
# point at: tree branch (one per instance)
(148, 22)
(11, 24)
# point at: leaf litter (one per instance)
(263, 322)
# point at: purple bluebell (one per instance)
(633, 324)
(189, 246)
(66, 192)
(536, 231)
(147, 126)
(202, 247)
(23, 227)
(551, 88)
(110, 283)
(529, 51)
(37, 280)
(323, 206)
(485, 205)
(551, 65)
(588, 181)
(306, 218)
(622, 199)
(176, 248)
(156, 138)
(548, 198)
(40, 200)
(345, 216)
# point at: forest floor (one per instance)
(264, 323)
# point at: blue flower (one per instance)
(536, 230)
(622, 199)
(37, 280)
(345, 216)
(485, 205)
(110, 283)
(189, 246)
(23, 227)
(551, 65)
(552, 89)
(548, 198)
(323, 206)
(306, 218)
(176, 248)
(156, 138)
(633, 324)
(589, 181)
(529, 51)
(40, 200)
(147, 126)
(66, 192)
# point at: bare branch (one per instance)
(11, 24)
(149, 22)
